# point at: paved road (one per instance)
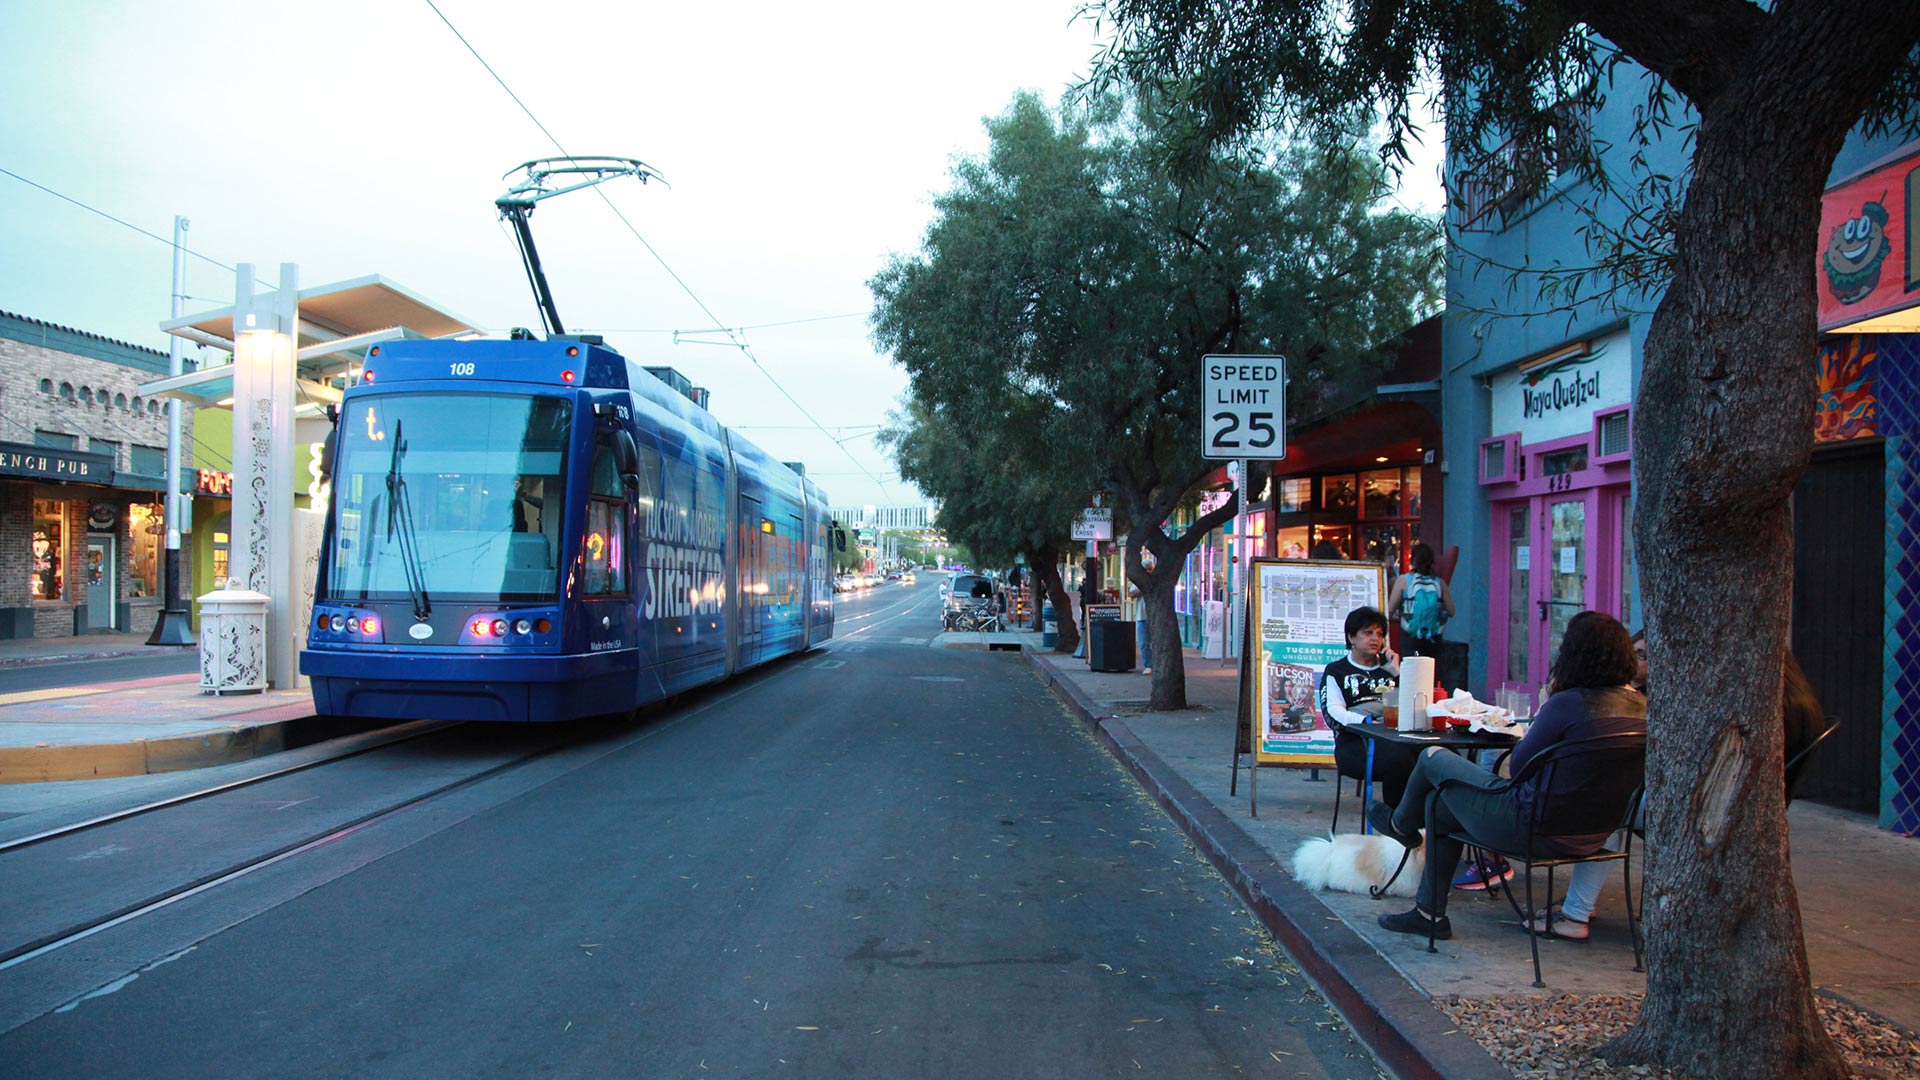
(83, 672)
(878, 860)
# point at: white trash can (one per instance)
(233, 641)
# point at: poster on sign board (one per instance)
(1297, 612)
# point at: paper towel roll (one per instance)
(1416, 690)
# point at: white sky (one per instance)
(803, 144)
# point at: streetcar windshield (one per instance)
(457, 497)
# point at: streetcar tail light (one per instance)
(566, 376)
(369, 625)
(480, 628)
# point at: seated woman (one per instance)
(1800, 713)
(1591, 699)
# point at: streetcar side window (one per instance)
(604, 549)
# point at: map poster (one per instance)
(1297, 610)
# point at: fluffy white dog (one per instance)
(1353, 863)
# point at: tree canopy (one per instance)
(1759, 99)
(1071, 282)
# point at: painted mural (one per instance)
(1846, 407)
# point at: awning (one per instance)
(338, 323)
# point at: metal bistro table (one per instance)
(1455, 739)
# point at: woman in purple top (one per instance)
(1591, 698)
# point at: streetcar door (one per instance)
(606, 586)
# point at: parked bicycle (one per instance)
(978, 617)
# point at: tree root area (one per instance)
(1556, 1036)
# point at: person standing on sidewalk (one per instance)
(1089, 594)
(1423, 603)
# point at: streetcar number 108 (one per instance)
(460, 369)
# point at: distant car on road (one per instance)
(893, 575)
(907, 578)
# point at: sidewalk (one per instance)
(1861, 913)
(138, 726)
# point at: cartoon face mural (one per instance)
(1854, 253)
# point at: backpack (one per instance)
(1421, 614)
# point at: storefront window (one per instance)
(1563, 462)
(144, 526)
(49, 550)
(1519, 591)
(1293, 542)
(1626, 558)
(1339, 493)
(1412, 490)
(1333, 541)
(1384, 545)
(1295, 494)
(222, 526)
(1380, 493)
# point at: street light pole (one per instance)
(173, 626)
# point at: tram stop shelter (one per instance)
(292, 352)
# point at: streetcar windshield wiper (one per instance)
(400, 518)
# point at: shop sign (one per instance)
(18, 461)
(1869, 260)
(213, 482)
(103, 516)
(1558, 399)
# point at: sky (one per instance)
(801, 146)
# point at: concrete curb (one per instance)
(1409, 1034)
(267, 731)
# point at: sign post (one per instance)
(1243, 417)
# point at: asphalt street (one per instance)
(880, 859)
(84, 672)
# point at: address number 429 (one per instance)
(1260, 431)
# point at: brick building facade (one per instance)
(82, 470)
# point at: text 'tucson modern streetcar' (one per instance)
(536, 530)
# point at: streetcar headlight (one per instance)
(339, 622)
(353, 623)
(523, 626)
(499, 628)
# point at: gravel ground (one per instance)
(1554, 1037)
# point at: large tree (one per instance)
(1759, 99)
(1071, 268)
(997, 496)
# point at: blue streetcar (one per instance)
(541, 530)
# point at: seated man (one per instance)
(1354, 691)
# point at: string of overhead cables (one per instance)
(733, 335)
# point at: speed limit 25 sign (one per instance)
(1243, 407)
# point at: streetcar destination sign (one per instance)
(1243, 407)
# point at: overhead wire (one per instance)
(739, 343)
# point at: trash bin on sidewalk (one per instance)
(233, 641)
(1049, 627)
(1110, 647)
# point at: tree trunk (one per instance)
(1722, 432)
(1046, 570)
(1169, 687)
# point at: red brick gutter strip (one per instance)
(1411, 1037)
